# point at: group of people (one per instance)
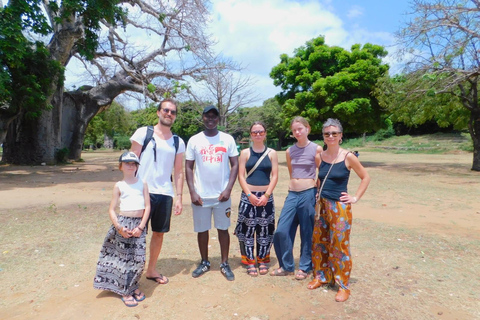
(317, 203)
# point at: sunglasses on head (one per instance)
(172, 112)
(258, 132)
(333, 134)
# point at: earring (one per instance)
(341, 141)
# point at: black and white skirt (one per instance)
(122, 260)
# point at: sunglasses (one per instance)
(172, 112)
(258, 133)
(333, 134)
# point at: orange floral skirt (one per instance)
(331, 243)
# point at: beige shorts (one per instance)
(202, 215)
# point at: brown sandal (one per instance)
(301, 275)
(280, 273)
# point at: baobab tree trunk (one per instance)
(34, 141)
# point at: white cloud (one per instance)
(256, 33)
(355, 11)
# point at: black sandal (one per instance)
(263, 269)
(252, 271)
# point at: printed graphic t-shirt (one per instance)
(212, 163)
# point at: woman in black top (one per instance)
(256, 211)
(332, 261)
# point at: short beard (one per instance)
(166, 124)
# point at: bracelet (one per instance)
(248, 195)
(140, 228)
(267, 195)
(355, 199)
(179, 194)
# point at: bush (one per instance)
(383, 134)
(122, 142)
(61, 155)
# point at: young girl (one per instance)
(122, 257)
(303, 159)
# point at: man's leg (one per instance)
(224, 239)
(202, 238)
(155, 248)
(160, 214)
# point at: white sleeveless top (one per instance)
(131, 196)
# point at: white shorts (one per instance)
(202, 215)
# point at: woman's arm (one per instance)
(289, 163)
(242, 161)
(352, 162)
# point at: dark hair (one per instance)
(167, 100)
(259, 123)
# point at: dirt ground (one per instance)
(415, 246)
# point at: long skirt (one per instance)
(122, 260)
(331, 256)
(255, 224)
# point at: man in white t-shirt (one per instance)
(162, 155)
(215, 156)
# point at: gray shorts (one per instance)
(202, 215)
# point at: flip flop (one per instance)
(140, 296)
(161, 279)
(129, 302)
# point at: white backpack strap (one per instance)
(259, 161)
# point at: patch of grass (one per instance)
(436, 143)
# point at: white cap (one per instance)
(129, 157)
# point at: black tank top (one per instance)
(261, 175)
(337, 179)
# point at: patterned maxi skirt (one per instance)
(122, 260)
(255, 224)
(331, 257)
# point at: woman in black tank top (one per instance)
(256, 211)
(332, 261)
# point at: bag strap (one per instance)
(258, 162)
(175, 142)
(325, 179)
(148, 137)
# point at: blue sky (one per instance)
(255, 32)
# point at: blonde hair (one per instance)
(301, 120)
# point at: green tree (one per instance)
(319, 82)
(178, 51)
(440, 46)
(115, 122)
(394, 94)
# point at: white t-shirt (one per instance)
(157, 174)
(212, 163)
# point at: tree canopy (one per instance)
(441, 46)
(320, 82)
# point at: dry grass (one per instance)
(403, 269)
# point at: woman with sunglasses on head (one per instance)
(258, 176)
(303, 159)
(332, 261)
